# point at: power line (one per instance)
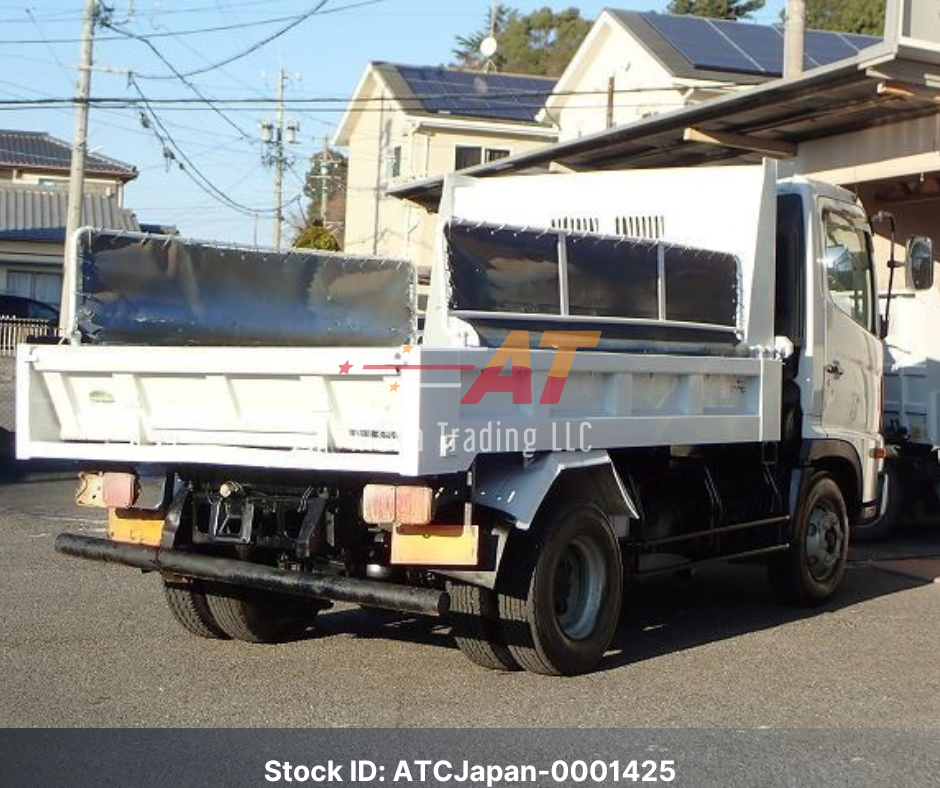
(163, 34)
(411, 102)
(186, 164)
(253, 48)
(209, 102)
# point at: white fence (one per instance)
(15, 330)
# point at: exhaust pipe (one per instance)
(392, 596)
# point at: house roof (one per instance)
(41, 151)
(716, 49)
(438, 92)
(37, 214)
(878, 87)
(473, 94)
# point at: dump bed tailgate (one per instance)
(273, 407)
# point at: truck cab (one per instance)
(826, 306)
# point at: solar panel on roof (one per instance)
(702, 44)
(477, 95)
(828, 47)
(761, 43)
(720, 45)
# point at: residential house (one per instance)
(34, 174)
(634, 65)
(406, 123)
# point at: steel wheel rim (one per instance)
(825, 537)
(578, 588)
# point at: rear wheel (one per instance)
(813, 567)
(259, 617)
(474, 616)
(561, 602)
(188, 604)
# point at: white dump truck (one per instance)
(620, 374)
(912, 396)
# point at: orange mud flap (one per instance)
(436, 545)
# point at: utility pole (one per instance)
(77, 173)
(274, 137)
(325, 174)
(794, 41)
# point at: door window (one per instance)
(848, 256)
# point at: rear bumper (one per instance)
(245, 574)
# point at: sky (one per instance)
(325, 55)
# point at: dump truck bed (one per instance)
(389, 412)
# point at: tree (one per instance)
(316, 236)
(467, 50)
(847, 16)
(322, 220)
(540, 43)
(716, 9)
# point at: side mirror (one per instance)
(920, 261)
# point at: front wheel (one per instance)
(813, 567)
(559, 602)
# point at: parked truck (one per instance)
(912, 396)
(620, 374)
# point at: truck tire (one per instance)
(474, 616)
(884, 525)
(258, 617)
(189, 607)
(560, 600)
(810, 571)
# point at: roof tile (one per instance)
(40, 150)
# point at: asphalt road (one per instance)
(82, 644)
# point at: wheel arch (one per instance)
(841, 461)
(520, 489)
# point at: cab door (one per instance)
(851, 408)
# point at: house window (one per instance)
(41, 287)
(471, 155)
(467, 156)
(394, 162)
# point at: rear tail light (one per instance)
(119, 490)
(383, 504)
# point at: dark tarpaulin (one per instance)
(497, 270)
(501, 271)
(701, 286)
(612, 278)
(162, 290)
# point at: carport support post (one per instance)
(794, 40)
(77, 174)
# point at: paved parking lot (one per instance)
(85, 644)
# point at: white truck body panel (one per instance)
(912, 369)
(294, 408)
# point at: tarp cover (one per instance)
(163, 290)
(503, 271)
